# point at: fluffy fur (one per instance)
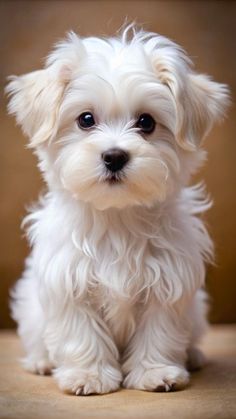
(112, 291)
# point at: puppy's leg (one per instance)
(27, 312)
(82, 347)
(198, 315)
(156, 355)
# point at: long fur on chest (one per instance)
(125, 253)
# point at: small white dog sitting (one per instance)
(112, 291)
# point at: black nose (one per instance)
(115, 159)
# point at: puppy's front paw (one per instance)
(99, 380)
(159, 378)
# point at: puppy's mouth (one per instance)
(114, 178)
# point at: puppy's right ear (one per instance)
(35, 98)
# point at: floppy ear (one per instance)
(199, 104)
(199, 101)
(35, 98)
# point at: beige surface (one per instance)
(206, 29)
(212, 393)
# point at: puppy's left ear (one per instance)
(200, 103)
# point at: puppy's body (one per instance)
(112, 289)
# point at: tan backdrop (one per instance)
(206, 29)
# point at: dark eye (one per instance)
(85, 120)
(146, 123)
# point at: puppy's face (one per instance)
(115, 143)
(117, 123)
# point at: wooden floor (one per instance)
(212, 393)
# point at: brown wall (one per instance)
(206, 29)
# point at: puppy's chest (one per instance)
(118, 265)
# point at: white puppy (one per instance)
(112, 291)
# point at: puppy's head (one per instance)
(117, 122)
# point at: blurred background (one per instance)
(206, 29)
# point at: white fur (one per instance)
(111, 292)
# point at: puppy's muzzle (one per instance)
(115, 159)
